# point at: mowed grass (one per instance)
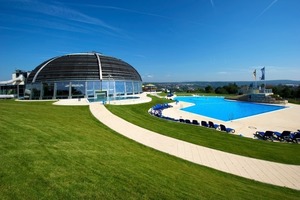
(63, 152)
(266, 150)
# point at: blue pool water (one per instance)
(225, 110)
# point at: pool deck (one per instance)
(280, 120)
(283, 175)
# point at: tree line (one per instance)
(231, 88)
(284, 91)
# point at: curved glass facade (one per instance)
(88, 75)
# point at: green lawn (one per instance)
(63, 152)
(272, 151)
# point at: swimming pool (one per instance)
(225, 110)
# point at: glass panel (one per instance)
(48, 90)
(140, 89)
(90, 93)
(27, 91)
(78, 88)
(90, 85)
(62, 89)
(135, 87)
(120, 87)
(129, 88)
(36, 91)
(104, 85)
(97, 85)
(111, 90)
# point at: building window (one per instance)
(120, 87)
(48, 90)
(78, 89)
(62, 90)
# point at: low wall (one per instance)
(264, 98)
(7, 96)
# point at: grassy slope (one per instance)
(278, 152)
(54, 152)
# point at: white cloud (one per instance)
(266, 9)
(62, 12)
(212, 3)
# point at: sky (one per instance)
(164, 40)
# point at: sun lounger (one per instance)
(187, 121)
(204, 123)
(228, 130)
(284, 136)
(295, 137)
(161, 106)
(212, 125)
(195, 122)
(265, 135)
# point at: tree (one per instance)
(297, 94)
(221, 90)
(199, 90)
(286, 92)
(209, 89)
(231, 88)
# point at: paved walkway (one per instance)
(259, 170)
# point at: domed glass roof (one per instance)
(83, 66)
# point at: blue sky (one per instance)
(165, 40)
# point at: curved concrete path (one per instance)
(264, 171)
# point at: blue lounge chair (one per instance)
(228, 130)
(212, 125)
(187, 121)
(284, 136)
(181, 120)
(295, 137)
(268, 135)
(195, 122)
(204, 123)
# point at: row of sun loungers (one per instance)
(286, 136)
(161, 106)
(157, 111)
(208, 124)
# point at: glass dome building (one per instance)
(82, 75)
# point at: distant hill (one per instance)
(223, 83)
